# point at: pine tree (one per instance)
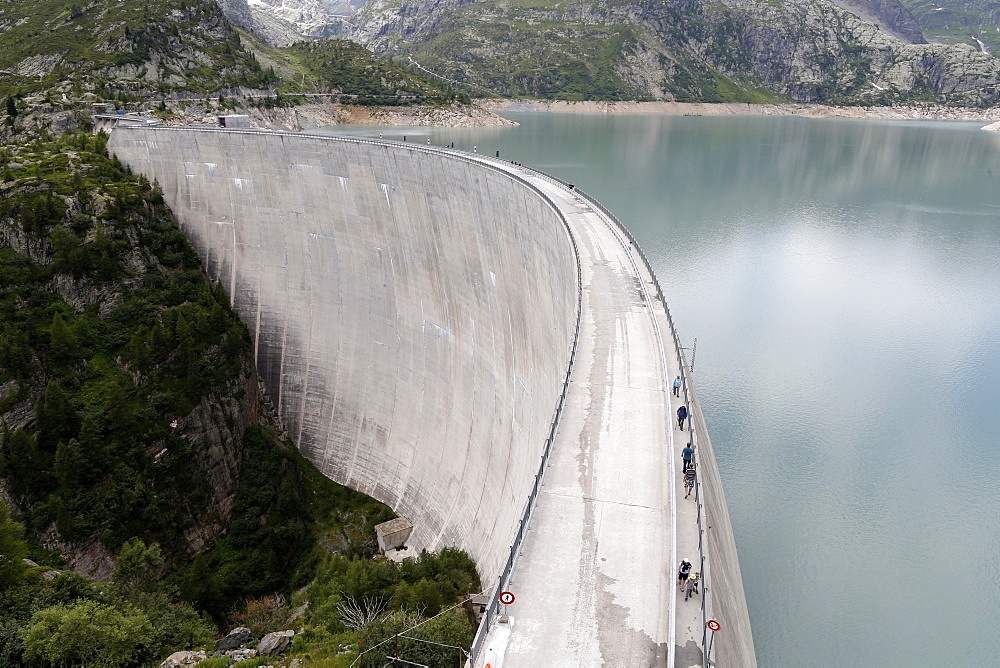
(13, 550)
(63, 345)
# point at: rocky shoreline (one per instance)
(324, 114)
(742, 109)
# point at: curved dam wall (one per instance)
(412, 314)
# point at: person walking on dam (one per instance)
(689, 476)
(682, 573)
(682, 413)
(687, 454)
(677, 386)
(691, 587)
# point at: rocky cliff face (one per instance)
(852, 52)
(888, 15)
(285, 22)
(155, 47)
(267, 23)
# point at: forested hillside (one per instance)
(138, 449)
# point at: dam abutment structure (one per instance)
(415, 314)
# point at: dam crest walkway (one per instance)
(595, 578)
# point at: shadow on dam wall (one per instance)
(412, 314)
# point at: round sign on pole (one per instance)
(506, 597)
(714, 625)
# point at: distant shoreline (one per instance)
(743, 109)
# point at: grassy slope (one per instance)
(955, 21)
(543, 48)
(345, 67)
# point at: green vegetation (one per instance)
(87, 632)
(123, 51)
(344, 67)
(731, 91)
(958, 21)
(119, 366)
(363, 603)
(146, 338)
(523, 57)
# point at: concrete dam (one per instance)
(482, 349)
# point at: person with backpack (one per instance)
(682, 413)
(677, 386)
(682, 573)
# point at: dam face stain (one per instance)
(688, 654)
(640, 648)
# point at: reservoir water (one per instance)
(843, 281)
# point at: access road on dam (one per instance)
(416, 315)
(595, 581)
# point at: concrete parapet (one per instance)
(411, 314)
(732, 645)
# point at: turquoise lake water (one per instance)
(843, 281)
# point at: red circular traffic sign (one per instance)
(506, 597)
(714, 625)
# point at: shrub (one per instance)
(13, 550)
(90, 633)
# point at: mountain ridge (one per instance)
(864, 52)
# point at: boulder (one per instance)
(238, 655)
(180, 659)
(236, 638)
(275, 643)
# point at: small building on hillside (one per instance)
(235, 121)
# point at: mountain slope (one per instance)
(974, 22)
(122, 48)
(853, 52)
(808, 50)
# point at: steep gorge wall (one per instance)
(412, 314)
